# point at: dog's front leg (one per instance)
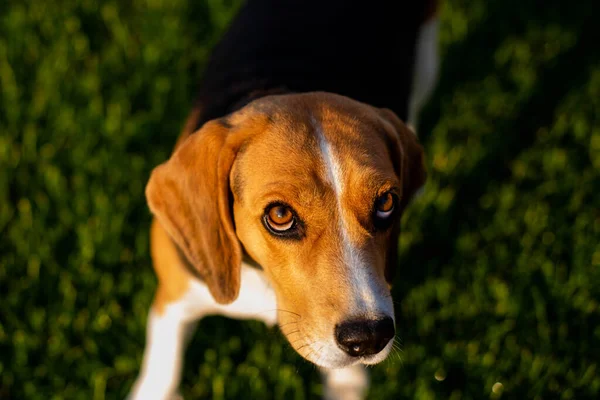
(170, 327)
(166, 337)
(349, 383)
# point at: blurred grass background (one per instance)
(499, 285)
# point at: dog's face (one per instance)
(312, 187)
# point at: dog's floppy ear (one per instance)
(189, 195)
(409, 157)
(409, 162)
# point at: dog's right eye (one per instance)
(281, 220)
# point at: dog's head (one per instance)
(310, 186)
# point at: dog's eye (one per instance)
(280, 218)
(384, 205)
(384, 209)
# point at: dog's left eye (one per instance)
(384, 205)
(384, 210)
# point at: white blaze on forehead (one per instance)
(367, 295)
(332, 167)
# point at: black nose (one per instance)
(364, 337)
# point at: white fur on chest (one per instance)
(255, 301)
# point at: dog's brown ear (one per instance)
(189, 195)
(408, 153)
(409, 162)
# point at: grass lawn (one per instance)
(498, 287)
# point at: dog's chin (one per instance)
(331, 357)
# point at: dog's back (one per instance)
(353, 48)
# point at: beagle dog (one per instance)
(290, 176)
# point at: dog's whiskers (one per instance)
(320, 355)
(398, 343)
(287, 323)
(303, 346)
(308, 343)
(291, 333)
(297, 340)
(287, 311)
(397, 349)
(307, 356)
(312, 351)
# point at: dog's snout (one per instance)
(364, 337)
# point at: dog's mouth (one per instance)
(327, 353)
(339, 335)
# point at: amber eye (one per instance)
(280, 218)
(384, 205)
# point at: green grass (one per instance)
(500, 271)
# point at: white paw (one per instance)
(349, 383)
(146, 392)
